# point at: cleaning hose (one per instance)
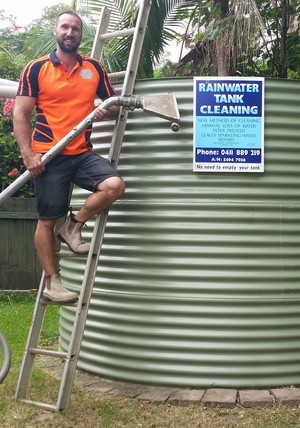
(6, 357)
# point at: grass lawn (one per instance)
(103, 410)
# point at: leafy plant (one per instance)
(11, 165)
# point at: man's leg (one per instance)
(52, 194)
(106, 193)
(45, 247)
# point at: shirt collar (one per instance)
(56, 61)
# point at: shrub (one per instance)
(11, 165)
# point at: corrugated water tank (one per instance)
(198, 282)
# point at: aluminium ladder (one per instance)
(71, 356)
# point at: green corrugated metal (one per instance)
(199, 277)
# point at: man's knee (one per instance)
(46, 224)
(121, 187)
(113, 186)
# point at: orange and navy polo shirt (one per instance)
(63, 99)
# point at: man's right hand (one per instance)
(33, 163)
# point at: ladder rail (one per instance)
(101, 219)
(136, 48)
(84, 299)
(98, 44)
(129, 80)
(32, 342)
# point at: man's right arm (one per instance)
(22, 112)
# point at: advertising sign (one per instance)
(228, 124)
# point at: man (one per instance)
(62, 87)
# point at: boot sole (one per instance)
(48, 300)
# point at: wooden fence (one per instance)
(19, 265)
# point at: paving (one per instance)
(221, 397)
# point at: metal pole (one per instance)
(164, 106)
(128, 102)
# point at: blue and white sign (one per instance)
(228, 124)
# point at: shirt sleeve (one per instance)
(105, 89)
(28, 84)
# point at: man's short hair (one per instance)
(69, 12)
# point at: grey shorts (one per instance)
(52, 187)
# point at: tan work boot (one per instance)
(55, 292)
(73, 239)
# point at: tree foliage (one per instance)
(225, 37)
(160, 31)
(229, 37)
(280, 55)
(246, 37)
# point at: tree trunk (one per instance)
(223, 54)
(222, 46)
(284, 30)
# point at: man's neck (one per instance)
(68, 59)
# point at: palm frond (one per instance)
(120, 9)
(165, 16)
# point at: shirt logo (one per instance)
(86, 74)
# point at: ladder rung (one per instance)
(48, 352)
(39, 404)
(65, 254)
(69, 254)
(119, 33)
(117, 74)
(74, 304)
(76, 207)
(46, 302)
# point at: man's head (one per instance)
(68, 31)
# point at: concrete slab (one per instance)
(155, 395)
(129, 390)
(98, 389)
(220, 397)
(290, 396)
(87, 381)
(256, 398)
(185, 397)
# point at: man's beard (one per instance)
(68, 48)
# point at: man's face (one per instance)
(68, 33)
